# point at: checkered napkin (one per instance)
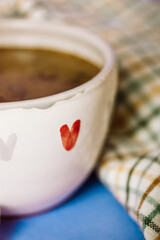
(131, 162)
(130, 165)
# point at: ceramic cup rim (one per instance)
(104, 47)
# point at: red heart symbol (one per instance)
(68, 137)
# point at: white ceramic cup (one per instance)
(43, 161)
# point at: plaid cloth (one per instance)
(130, 165)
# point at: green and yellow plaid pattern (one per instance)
(130, 165)
(131, 162)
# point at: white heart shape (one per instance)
(7, 148)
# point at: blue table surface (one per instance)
(92, 214)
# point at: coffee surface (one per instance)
(34, 73)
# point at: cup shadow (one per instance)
(9, 225)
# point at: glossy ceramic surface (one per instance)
(49, 146)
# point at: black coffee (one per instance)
(34, 73)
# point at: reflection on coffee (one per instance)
(34, 73)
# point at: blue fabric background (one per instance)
(92, 214)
